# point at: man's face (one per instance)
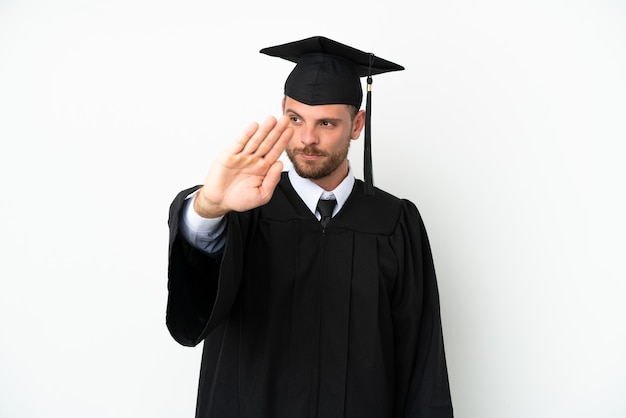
(321, 139)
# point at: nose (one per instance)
(308, 136)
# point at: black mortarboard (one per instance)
(328, 72)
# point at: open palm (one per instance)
(246, 173)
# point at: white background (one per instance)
(507, 129)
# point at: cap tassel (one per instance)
(367, 163)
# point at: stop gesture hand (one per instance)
(246, 173)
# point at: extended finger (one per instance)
(260, 135)
(279, 145)
(270, 181)
(275, 141)
(240, 143)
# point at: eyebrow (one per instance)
(332, 120)
(288, 110)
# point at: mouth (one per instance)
(310, 155)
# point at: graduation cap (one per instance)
(329, 72)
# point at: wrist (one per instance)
(205, 208)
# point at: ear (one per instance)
(282, 105)
(358, 124)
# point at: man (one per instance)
(307, 311)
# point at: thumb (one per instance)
(271, 180)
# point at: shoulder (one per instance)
(380, 200)
(381, 212)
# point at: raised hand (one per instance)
(246, 173)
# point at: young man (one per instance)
(307, 309)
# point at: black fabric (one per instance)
(303, 321)
(294, 51)
(327, 71)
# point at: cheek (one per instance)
(338, 145)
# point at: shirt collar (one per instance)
(310, 192)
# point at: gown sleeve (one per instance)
(422, 376)
(198, 301)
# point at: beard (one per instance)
(317, 169)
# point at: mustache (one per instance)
(310, 150)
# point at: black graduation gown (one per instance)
(302, 322)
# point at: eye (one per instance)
(294, 119)
(326, 123)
